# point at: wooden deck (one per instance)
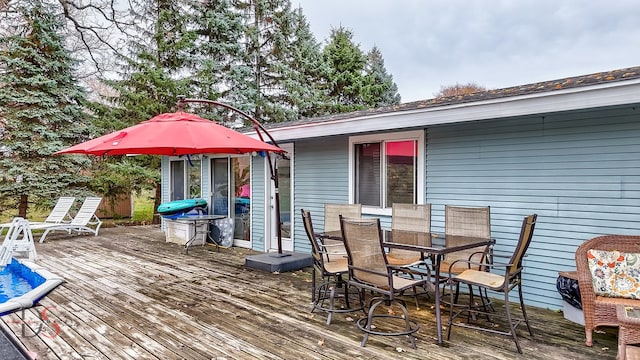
(130, 295)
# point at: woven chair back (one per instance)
(461, 224)
(367, 261)
(526, 234)
(316, 252)
(409, 217)
(332, 214)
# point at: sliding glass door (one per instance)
(231, 193)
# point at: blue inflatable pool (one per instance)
(179, 206)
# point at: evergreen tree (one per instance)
(42, 108)
(154, 75)
(267, 26)
(218, 48)
(346, 77)
(282, 58)
(304, 84)
(380, 90)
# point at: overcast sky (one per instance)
(427, 44)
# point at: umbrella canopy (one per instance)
(178, 133)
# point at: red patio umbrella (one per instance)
(178, 133)
(182, 133)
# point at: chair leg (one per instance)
(589, 336)
(313, 285)
(317, 296)
(372, 309)
(341, 284)
(511, 326)
(472, 302)
(405, 315)
(486, 303)
(622, 345)
(524, 310)
(363, 300)
(451, 312)
(331, 303)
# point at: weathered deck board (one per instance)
(130, 295)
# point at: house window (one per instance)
(185, 179)
(387, 169)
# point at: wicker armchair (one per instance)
(600, 310)
(369, 270)
(331, 269)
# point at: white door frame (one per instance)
(271, 243)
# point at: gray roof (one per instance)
(539, 87)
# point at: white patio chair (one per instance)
(18, 240)
(82, 222)
(59, 213)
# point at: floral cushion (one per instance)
(615, 274)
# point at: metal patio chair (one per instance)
(504, 278)
(461, 225)
(332, 214)
(331, 269)
(369, 270)
(415, 218)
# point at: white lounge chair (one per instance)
(18, 240)
(82, 222)
(59, 213)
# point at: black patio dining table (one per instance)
(432, 244)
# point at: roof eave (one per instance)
(585, 97)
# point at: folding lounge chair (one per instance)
(17, 240)
(59, 213)
(82, 222)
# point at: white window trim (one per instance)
(405, 135)
(185, 174)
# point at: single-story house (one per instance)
(568, 150)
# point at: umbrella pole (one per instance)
(273, 166)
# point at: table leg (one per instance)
(193, 237)
(209, 237)
(196, 232)
(437, 300)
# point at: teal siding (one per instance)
(258, 175)
(321, 176)
(579, 172)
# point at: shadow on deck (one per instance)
(130, 295)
